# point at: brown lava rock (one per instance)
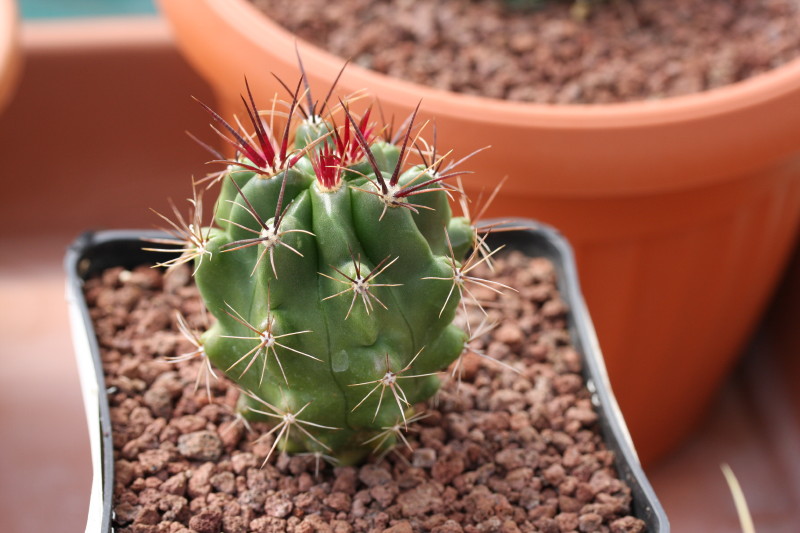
(625, 50)
(200, 445)
(503, 451)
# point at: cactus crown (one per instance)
(334, 268)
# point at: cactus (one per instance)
(334, 268)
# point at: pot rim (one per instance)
(740, 96)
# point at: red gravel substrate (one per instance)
(626, 50)
(504, 452)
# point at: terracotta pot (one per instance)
(93, 252)
(10, 57)
(682, 212)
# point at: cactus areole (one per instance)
(335, 269)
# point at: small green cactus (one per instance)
(334, 269)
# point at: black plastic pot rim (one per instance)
(83, 259)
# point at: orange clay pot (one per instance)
(682, 212)
(10, 56)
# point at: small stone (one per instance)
(199, 480)
(554, 474)
(584, 492)
(419, 500)
(175, 485)
(519, 478)
(126, 512)
(507, 400)
(153, 461)
(346, 480)
(589, 522)
(339, 501)
(567, 521)
(384, 494)
(235, 524)
(189, 423)
(278, 505)
(148, 515)
(159, 400)
(568, 504)
(206, 521)
(628, 524)
(268, 524)
(451, 526)
(200, 446)
(424, 457)
(371, 475)
(125, 472)
(547, 525)
(400, 527)
(568, 486)
(174, 508)
(585, 415)
(567, 383)
(510, 458)
(252, 499)
(231, 433)
(241, 461)
(176, 278)
(457, 425)
(522, 41)
(444, 471)
(509, 333)
(224, 482)
(341, 526)
(568, 360)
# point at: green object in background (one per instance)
(50, 9)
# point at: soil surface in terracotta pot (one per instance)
(624, 50)
(510, 444)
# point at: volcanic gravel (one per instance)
(501, 451)
(623, 50)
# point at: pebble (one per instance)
(339, 501)
(278, 505)
(371, 475)
(200, 446)
(241, 461)
(153, 461)
(589, 522)
(509, 334)
(424, 457)
(207, 521)
(199, 480)
(400, 527)
(175, 485)
(627, 524)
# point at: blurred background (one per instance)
(95, 102)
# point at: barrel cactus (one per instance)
(334, 268)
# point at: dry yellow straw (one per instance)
(745, 520)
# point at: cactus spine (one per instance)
(334, 271)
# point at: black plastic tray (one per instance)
(93, 252)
